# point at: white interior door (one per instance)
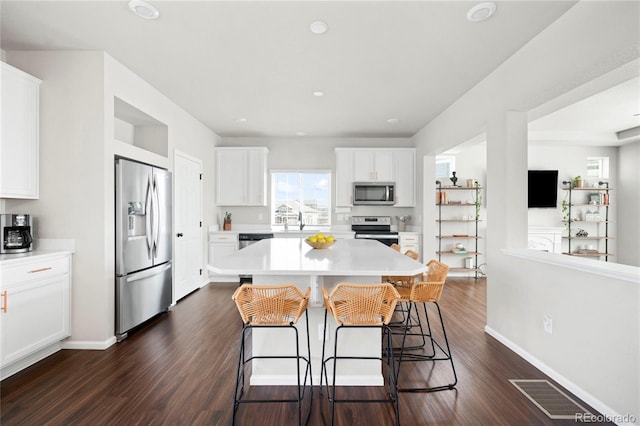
(188, 224)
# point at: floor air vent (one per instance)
(551, 400)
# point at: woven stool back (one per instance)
(412, 254)
(430, 290)
(270, 305)
(361, 304)
(437, 271)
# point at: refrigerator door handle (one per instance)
(148, 207)
(156, 215)
(148, 273)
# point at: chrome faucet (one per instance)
(300, 220)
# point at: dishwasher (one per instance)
(245, 240)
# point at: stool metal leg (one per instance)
(239, 376)
(413, 357)
(407, 323)
(243, 360)
(391, 382)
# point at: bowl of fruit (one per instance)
(320, 241)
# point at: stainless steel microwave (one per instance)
(374, 193)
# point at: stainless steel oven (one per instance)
(17, 234)
(374, 228)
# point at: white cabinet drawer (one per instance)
(34, 270)
(408, 238)
(223, 238)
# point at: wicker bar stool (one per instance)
(389, 279)
(360, 306)
(401, 307)
(427, 290)
(279, 306)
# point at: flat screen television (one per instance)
(543, 188)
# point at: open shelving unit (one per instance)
(465, 213)
(597, 199)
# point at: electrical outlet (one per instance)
(259, 216)
(340, 217)
(547, 324)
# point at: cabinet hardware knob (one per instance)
(179, 234)
(40, 270)
(4, 301)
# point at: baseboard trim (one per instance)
(89, 344)
(29, 360)
(608, 412)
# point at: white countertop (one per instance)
(7, 259)
(292, 256)
(42, 247)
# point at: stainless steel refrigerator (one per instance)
(143, 243)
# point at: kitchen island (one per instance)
(292, 261)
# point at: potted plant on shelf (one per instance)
(577, 182)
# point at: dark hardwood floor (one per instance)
(179, 370)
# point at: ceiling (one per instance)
(249, 68)
(595, 120)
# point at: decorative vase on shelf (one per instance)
(577, 182)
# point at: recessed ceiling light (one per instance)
(318, 27)
(318, 93)
(240, 120)
(393, 120)
(481, 11)
(300, 133)
(143, 10)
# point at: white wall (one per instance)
(77, 149)
(590, 40)
(628, 205)
(307, 153)
(72, 204)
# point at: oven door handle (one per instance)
(377, 236)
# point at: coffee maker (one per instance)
(16, 233)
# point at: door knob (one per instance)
(179, 234)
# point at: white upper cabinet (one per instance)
(241, 176)
(373, 165)
(344, 177)
(404, 170)
(376, 164)
(19, 137)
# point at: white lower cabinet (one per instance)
(410, 241)
(36, 309)
(220, 244)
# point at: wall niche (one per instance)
(139, 129)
